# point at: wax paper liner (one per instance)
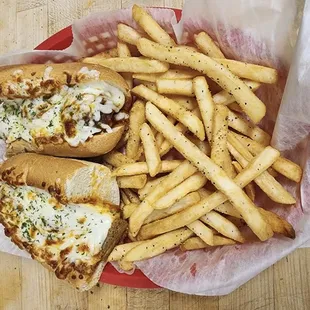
(262, 32)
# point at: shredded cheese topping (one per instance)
(47, 226)
(73, 114)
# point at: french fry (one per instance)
(265, 181)
(282, 165)
(128, 209)
(149, 186)
(130, 64)
(107, 54)
(127, 34)
(132, 196)
(249, 189)
(207, 45)
(181, 173)
(150, 150)
(250, 104)
(175, 87)
(123, 51)
(205, 104)
(124, 198)
(180, 205)
(245, 127)
(191, 184)
(192, 122)
(195, 243)
(126, 266)
(203, 146)
(223, 226)
(150, 26)
(134, 181)
(278, 224)
(136, 119)
(159, 137)
(188, 103)
(150, 85)
(142, 168)
(234, 106)
(250, 71)
(202, 231)
(158, 245)
(121, 250)
(171, 74)
(219, 151)
(117, 159)
(224, 98)
(229, 209)
(237, 197)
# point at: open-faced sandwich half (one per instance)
(64, 212)
(71, 109)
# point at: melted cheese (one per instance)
(46, 224)
(81, 106)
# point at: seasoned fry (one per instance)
(128, 209)
(229, 209)
(121, 250)
(195, 243)
(171, 74)
(250, 104)
(224, 98)
(205, 104)
(150, 26)
(202, 231)
(158, 245)
(159, 137)
(123, 51)
(203, 146)
(245, 127)
(282, 165)
(249, 189)
(278, 224)
(128, 34)
(192, 122)
(180, 205)
(142, 168)
(150, 150)
(223, 226)
(181, 173)
(136, 119)
(113, 52)
(132, 196)
(126, 266)
(219, 151)
(191, 184)
(250, 71)
(215, 174)
(124, 198)
(147, 84)
(207, 45)
(188, 103)
(175, 87)
(130, 64)
(235, 107)
(134, 181)
(149, 186)
(117, 159)
(265, 181)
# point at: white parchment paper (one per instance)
(263, 32)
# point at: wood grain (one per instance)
(24, 284)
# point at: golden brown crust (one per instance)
(61, 74)
(99, 144)
(53, 173)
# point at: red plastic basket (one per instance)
(60, 41)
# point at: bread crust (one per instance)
(52, 173)
(46, 79)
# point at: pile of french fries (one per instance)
(193, 157)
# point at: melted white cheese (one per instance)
(72, 226)
(83, 104)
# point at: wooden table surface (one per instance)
(24, 284)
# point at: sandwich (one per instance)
(68, 110)
(64, 212)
